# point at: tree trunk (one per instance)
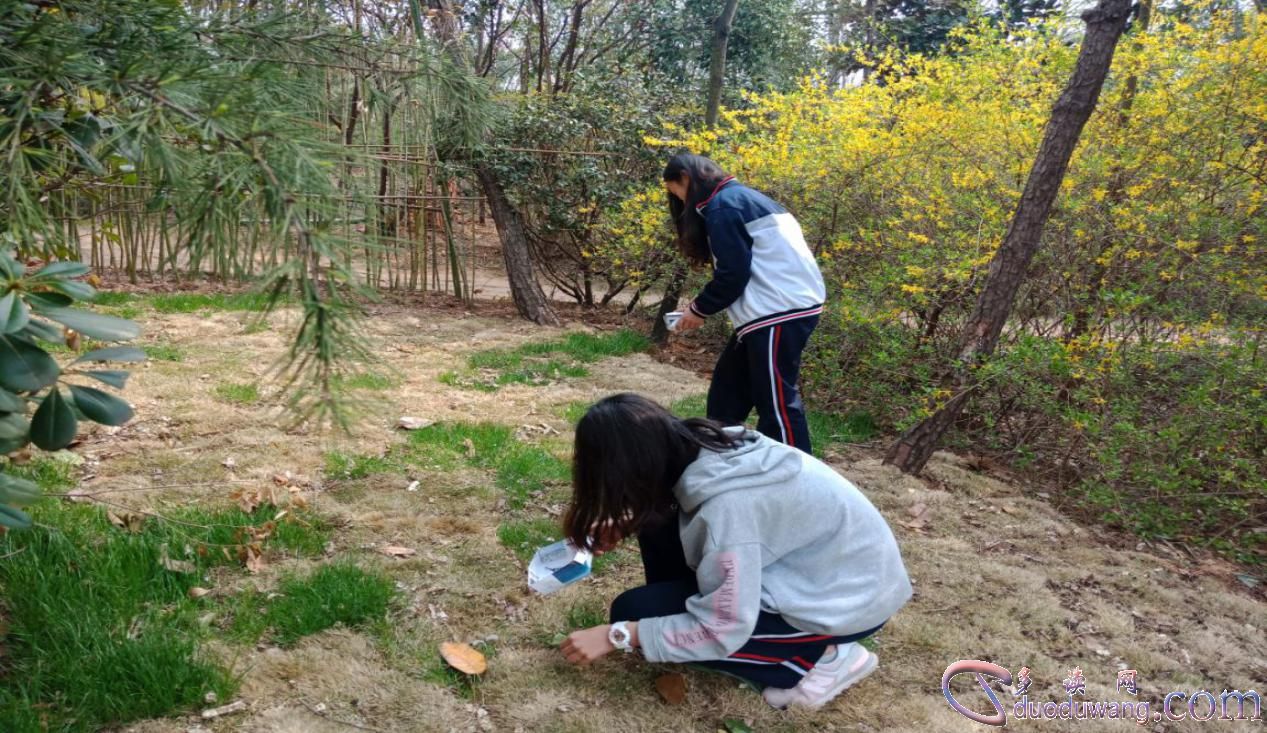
(717, 65)
(672, 293)
(543, 47)
(716, 81)
(1105, 23)
(529, 299)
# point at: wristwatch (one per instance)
(620, 637)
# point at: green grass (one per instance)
(164, 352)
(182, 302)
(829, 429)
(197, 302)
(51, 473)
(524, 536)
(526, 469)
(519, 468)
(100, 632)
(367, 381)
(114, 299)
(300, 534)
(574, 411)
(97, 630)
(119, 305)
(542, 362)
(693, 406)
(241, 394)
(340, 594)
(350, 467)
(586, 615)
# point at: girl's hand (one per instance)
(688, 322)
(587, 646)
(606, 537)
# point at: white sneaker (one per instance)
(827, 679)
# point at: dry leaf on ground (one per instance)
(398, 551)
(128, 521)
(672, 687)
(463, 657)
(178, 566)
(414, 423)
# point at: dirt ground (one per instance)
(999, 574)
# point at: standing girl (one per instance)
(740, 577)
(764, 277)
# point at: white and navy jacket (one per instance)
(763, 272)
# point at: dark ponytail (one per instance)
(705, 176)
(629, 454)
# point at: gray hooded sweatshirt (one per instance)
(769, 528)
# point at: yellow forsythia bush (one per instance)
(1132, 370)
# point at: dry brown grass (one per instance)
(999, 575)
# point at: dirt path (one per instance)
(999, 575)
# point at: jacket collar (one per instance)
(699, 208)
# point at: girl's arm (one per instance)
(717, 621)
(731, 246)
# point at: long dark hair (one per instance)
(629, 454)
(705, 176)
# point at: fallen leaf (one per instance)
(463, 657)
(246, 499)
(1008, 509)
(233, 707)
(261, 533)
(918, 510)
(398, 551)
(672, 687)
(127, 521)
(414, 423)
(252, 558)
(470, 447)
(413, 486)
(282, 479)
(178, 566)
(196, 592)
(734, 725)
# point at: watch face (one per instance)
(619, 636)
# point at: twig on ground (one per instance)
(333, 719)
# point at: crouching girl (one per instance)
(760, 560)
